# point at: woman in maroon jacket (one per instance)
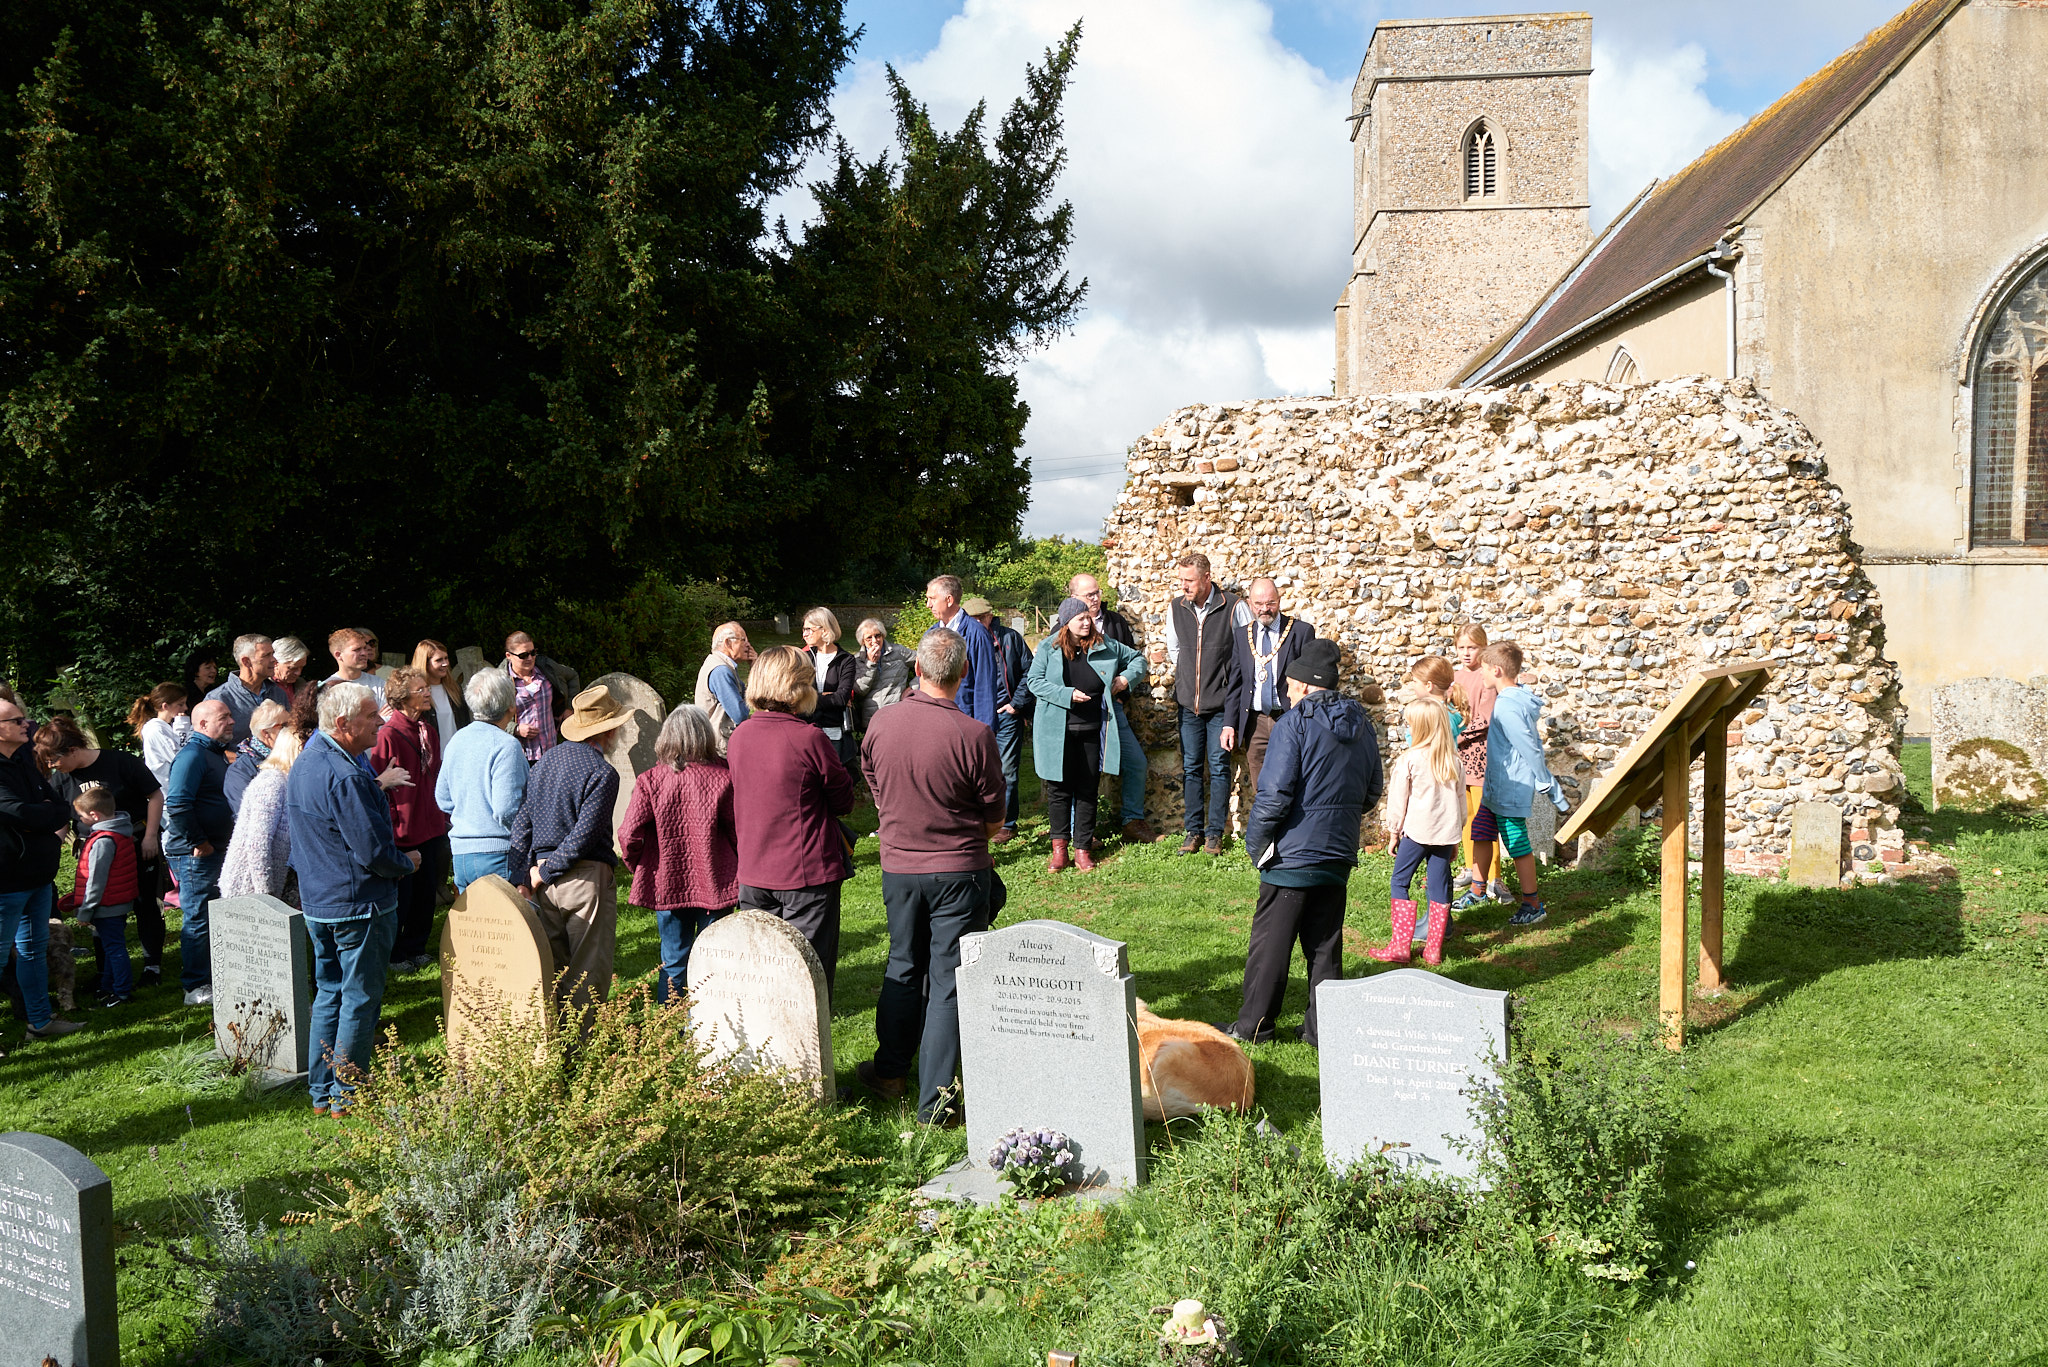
(788, 788)
(407, 742)
(678, 840)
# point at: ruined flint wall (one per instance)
(1625, 538)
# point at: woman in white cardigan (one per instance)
(260, 852)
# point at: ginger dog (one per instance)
(1186, 1065)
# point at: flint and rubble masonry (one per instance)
(1623, 537)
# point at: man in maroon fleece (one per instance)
(937, 778)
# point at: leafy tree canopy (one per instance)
(436, 314)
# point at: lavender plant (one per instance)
(1034, 1162)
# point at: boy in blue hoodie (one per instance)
(1516, 770)
(104, 891)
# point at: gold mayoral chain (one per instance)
(1251, 644)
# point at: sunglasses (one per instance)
(522, 654)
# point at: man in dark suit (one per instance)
(1266, 643)
(1013, 718)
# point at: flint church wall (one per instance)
(1623, 537)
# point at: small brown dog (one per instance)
(1186, 1065)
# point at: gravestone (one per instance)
(1049, 1039)
(634, 754)
(495, 957)
(757, 995)
(1398, 1051)
(1543, 822)
(262, 985)
(1816, 860)
(56, 1255)
(1990, 743)
(464, 665)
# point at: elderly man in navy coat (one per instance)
(1266, 641)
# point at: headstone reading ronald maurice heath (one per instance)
(494, 958)
(56, 1255)
(1049, 1040)
(1399, 1050)
(757, 995)
(262, 985)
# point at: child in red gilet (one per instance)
(104, 891)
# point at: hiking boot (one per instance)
(1215, 846)
(1191, 844)
(1004, 836)
(887, 1088)
(1139, 832)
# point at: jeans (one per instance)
(679, 930)
(1009, 744)
(1201, 743)
(198, 884)
(25, 928)
(349, 959)
(470, 867)
(919, 1009)
(110, 936)
(1131, 768)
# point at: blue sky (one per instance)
(1211, 184)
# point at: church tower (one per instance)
(1469, 189)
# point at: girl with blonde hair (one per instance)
(1425, 816)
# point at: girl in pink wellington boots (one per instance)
(1425, 819)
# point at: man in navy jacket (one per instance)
(1266, 642)
(197, 826)
(982, 691)
(1013, 717)
(348, 866)
(1322, 776)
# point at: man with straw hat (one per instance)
(562, 847)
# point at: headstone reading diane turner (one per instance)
(757, 995)
(1816, 845)
(262, 992)
(633, 753)
(1398, 1051)
(1049, 1040)
(494, 957)
(56, 1255)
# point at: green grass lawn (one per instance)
(1859, 1177)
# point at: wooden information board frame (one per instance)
(1694, 724)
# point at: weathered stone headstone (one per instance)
(757, 993)
(1049, 1039)
(56, 1255)
(1990, 743)
(1398, 1051)
(634, 755)
(1816, 860)
(262, 993)
(1543, 822)
(495, 957)
(1597, 851)
(468, 662)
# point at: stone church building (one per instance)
(1870, 252)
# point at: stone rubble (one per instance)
(1624, 537)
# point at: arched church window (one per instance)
(1482, 165)
(1621, 367)
(2009, 427)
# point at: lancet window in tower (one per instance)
(1482, 168)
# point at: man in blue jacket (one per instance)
(1321, 776)
(982, 692)
(1013, 717)
(197, 825)
(348, 867)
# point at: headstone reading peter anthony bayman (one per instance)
(56, 1255)
(757, 995)
(262, 975)
(1049, 1040)
(1399, 1050)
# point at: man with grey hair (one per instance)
(938, 784)
(250, 684)
(1132, 765)
(348, 866)
(981, 689)
(483, 781)
(719, 692)
(1266, 641)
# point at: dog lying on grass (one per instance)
(1186, 1065)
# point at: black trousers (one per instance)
(813, 911)
(1070, 801)
(419, 897)
(1315, 917)
(918, 1012)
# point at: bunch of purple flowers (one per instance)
(1034, 1162)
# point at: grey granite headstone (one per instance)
(1543, 823)
(1398, 1051)
(56, 1255)
(1049, 1038)
(757, 994)
(262, 985)
(1816, 860)
(635, 753)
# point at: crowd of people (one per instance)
(368, 800)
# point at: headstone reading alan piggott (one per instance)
(634, 753)
(1398, 1051)
(757, 995)
(1049, 1040)
(262, 989)
(56, 1255)
(1816, 860)
(495, 958)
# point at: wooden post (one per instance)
(1713, 849)
(1671, 956)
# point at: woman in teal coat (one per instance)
(1073, 735)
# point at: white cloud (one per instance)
(1650, 116)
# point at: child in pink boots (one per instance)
(1425, 820)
